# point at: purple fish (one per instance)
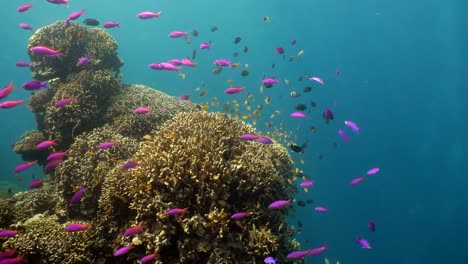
(7, 254)
(46, 144)
(78, 194)
(321, 209)
(298, 115)
(239, 215)
(316, 251)
(24, 166)
(264, 140)
(58, 2)
(122, 251)
(248, 137)
(205, 45)
(175, 62)
(83, 60)
(52, 164)
(148, 15)
(372, 225)
(356, 180)
(269, 260)
(185, 97)
(328, 115)
(130, 164)
(176, 211)
(297, 254)
(343, 135)
(169, 67)
(353, 126)
(8, 233)
(363, 243)
(106, 145)
(75, 15)
(233, 90)
(22, 64)
(132, 230)
(293, 42)
(63, 102)
(373, 171)
(147, 258)
(35, 184)
(35, 85)
(111, 24)
(306, 183)
(16, 260)
(24, 7)
(222, 62)
(76, 227)
(279, 204)
(46, 51)
(142, 110)
(270, 81)
(280, 50)
(25, 26)
(56, 155)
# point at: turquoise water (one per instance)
(402, 79)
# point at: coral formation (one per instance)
(26, 146)
(73, 42)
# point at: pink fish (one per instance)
(343, 135)
(372, 225)
(222, 62)
(248, 137)
(297, 254)
(132, 230)
(7, 254)
(111, 24)
(169, 67)
(24, 166)
(306, 183)
(10, 104)
(321, 209)
(63, 102)
(356, 180)
(353, 126)
(175, 62)
(76, 227)
(185, 97)
(156, 66)
(270, 81)
(148, 15)
(5, 91)
(35, 184)
(106, 145)
(178, 34)
(46, 51)
(298, 115)
(122, 250)
(46, 144)
(317, 250)
(24, 7)
(239, 215)
(205, 45)
(16, 260)
(280, 50)
(24, 25)
(373, 171)
(58, 2)
(188, 62)
(279, 204)
(176, 211)
(317, 79)
(142, 110)
(83, 60)
(75, 15)
(22, 64)
(8, 233)
(147, 258)
(35, 85)
(264, 140)
(233, 90)
(78, 194)
(363, 243)
(52, 164)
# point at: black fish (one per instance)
(246, 49)
(300, 107)
(214, 28)
(297, 148)
(194, 33)
(237, 40)
(91, 22)
(244, 73)
(307, 89)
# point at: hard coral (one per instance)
(197, 161)
(73, 42)
(26, 146)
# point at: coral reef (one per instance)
(120, 113)
(26, 146)
(73, 42)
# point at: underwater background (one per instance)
(402, 77)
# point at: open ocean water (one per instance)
(403, 68)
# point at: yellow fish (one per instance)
(267, 100)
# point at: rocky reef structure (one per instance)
(183, 158)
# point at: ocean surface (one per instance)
(403, 68)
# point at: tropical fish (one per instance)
(328, 115)
(24, 7)
(176, 211)
(52, 164)
(279, 204)
(222, 62)
(16, 260)
(269, 260)
(75, 15)
(22, 64)
(35, 85)
(58, 2)
(24, 166)
(293, 42)
(373, 171)
(8, 233)
(91, 22)
(36, 184)
(76, 227)
(7, 254)
(270, 81)
(248, 137)
(26, 26)
(148, 15)
(307, 89)
(298, 115)
(321, 209)
(78, 194)
(132, 230)
(185, 97)
(147, 258)
(205, 45)
(130, 164)
(5, 91)
(46, 51)
(63, 102)
(46, 144)
(372, 225)
(300, 107)
(317, 79)
(142, 110)
(353, 126)
(297, 148)
(266, 19)
(356, 180)
(306, 183)
(106, 145)
(83, 60)
(363, 243)
(264, 140)
(279, 50)
(297, 254)
(239, 215)
(122, 251)
(57, 155)
(237, 40)
(194, 32)
(343, 135)
(233, 90)
(317, 250)
(111, 24)
(244, 73)
(177, 34)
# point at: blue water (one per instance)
(403, 80)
